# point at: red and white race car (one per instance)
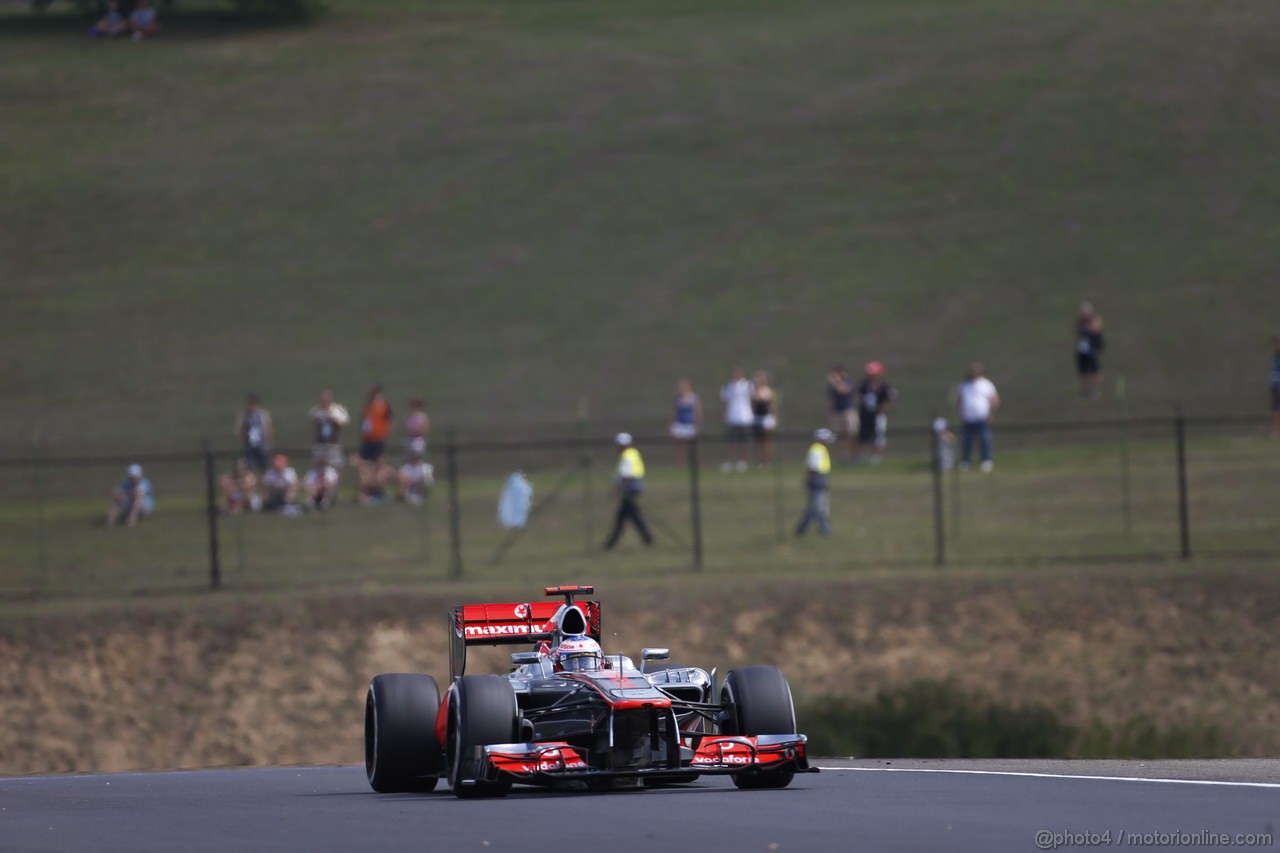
(585, 724)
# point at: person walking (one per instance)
(256, 434)
(629, 481)
(978, 400)
(817, 482)
(738, 419)
(1089, 345)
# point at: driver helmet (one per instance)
(578, 654)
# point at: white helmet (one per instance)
(622, 439)
(578, 654)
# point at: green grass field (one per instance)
(1053, 499)
(512, 205)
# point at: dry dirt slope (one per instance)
(228, 683)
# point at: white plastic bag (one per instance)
(514, 502)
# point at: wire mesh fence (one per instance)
(1126, 489)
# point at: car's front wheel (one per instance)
(757, 701)
(482, 711)
(401, 752)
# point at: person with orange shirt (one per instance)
(375, 426)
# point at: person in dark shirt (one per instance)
(874, 396)
(844, 416)
(1089, 345)
(1275, 389)
(256, 434)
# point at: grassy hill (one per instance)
(512, 204)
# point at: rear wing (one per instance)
(524, 623)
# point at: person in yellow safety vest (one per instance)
(817, 475)
(630, 483)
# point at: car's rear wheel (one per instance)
(482, 711)
(401, 752)
(757, 701)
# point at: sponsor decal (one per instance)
(508, 630)
(522, 611)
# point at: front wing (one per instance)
(723, 754)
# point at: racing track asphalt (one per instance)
(853, 805)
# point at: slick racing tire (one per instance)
(757, 701)
(400, 748)
(482, 710)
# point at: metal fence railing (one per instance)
(1105, 490)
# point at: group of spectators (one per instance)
(254, 485)
(137, 20)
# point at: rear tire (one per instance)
(482, 711)
(757, 701)
(401, 752)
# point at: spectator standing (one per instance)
(321, 485)
(817, 484)
(738, 419)
(874, 397)
(256, 433)
(1275, 389)
(416, 427)
(1089, 345)
(280, 486)
(688, 418)
(978, 401)
(375, 426)
(240, 489)
(328, 418)
(629, 481)
(131, 501)
(764, 414)
(844, 416)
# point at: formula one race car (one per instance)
(569, 716)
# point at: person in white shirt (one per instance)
(738, 419)
(978, 401)
(328, 419)
(321, 484)
(416, 479)
(279, 485)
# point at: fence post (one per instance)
(939, 526)
(588, 534)
(455, 507)
(42, 534)
(695, 503)
(1184, 524)
(1126, 502)
(779, 494)
(211, 509)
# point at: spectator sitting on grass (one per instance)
(132, 500)
(280, 485)
(111, 24)
(143, 22)
(321, 484)
(415, 479)
(240, 489)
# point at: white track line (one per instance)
(1053, 776)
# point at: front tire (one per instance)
(757, 701)
(482, 711)
(401, 752)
